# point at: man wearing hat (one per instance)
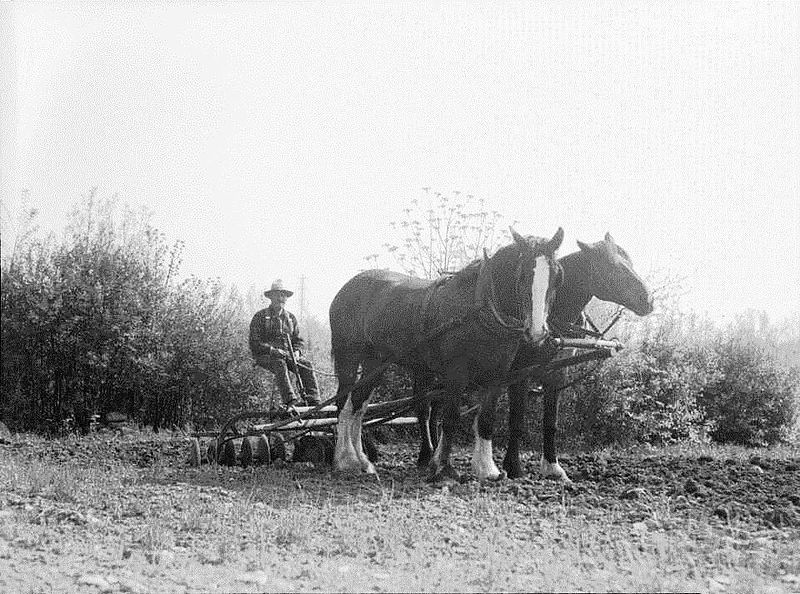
(268, 343)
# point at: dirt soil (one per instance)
(94, 514)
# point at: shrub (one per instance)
(753, 400)
(98, 322)
(644, 396)
(682, 377)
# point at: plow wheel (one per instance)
(194, 453)
(227, 456)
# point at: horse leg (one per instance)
(423, 408)
(345, 457)
(549, 466)
(351, 421)
(439, 467)
(517, 394)
(482, 459)
(360, 400)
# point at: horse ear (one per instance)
(609, 239)
(555, 242)
(585, 247)
(517, 237)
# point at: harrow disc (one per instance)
(273, 447)
(228, 455)
(261, 450)
(249, 454)
(317, 449)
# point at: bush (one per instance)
(643, 396)
(683, 378)
(98, 322)
(753, 401)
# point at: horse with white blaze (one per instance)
(465, 328)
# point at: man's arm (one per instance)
(297, 341)
(257, 347)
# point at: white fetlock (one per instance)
(358, 445)
(482, 459)
(485, 469)
(345, 457)
(553, 470)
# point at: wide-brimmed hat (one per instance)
(277, 287)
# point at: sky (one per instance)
(279, 139)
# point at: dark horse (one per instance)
(603, 270)
(466, 328)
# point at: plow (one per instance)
(307, 433)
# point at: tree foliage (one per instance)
(98, 321)
(683, 377)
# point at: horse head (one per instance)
(517, 284)
(613, 278)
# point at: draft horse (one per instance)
(465, 328)
(603, 270)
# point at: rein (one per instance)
(509, 323)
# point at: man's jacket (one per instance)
(268, 328)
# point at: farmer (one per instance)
(273, 332)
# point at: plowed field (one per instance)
(126, 513)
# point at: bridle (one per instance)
(521, 322)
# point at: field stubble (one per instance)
(126, 513)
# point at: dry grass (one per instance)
(308, 529)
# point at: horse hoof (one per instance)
(348, 467)
(493, 478)
(553, 470)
